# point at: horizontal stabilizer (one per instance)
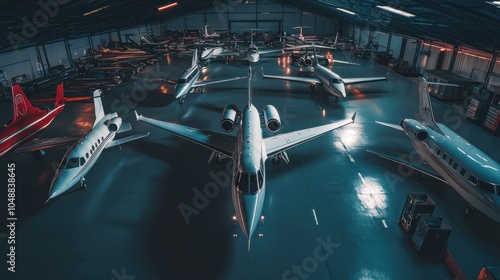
(65, 99)
(345, 62)
(350, 81)
(209, 82)
(46, 143)
(405, 160)
(126, 139)
(124, 127)
(394, 126)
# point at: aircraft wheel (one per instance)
(202, 91)
(313, 87)
(83, 184)
(469, 210)
(181, 101)
(336, 99)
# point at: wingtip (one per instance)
(136, 115)
(354, 116)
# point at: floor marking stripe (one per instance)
(384, 223)
(315, 218)
(351, 158)
(362, 180)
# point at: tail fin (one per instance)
(59, 95)
(315, 56)
(250, 85)
(98, 109)
(251, 36)
(425, 106)
(144, 40)
(195, 57)
(336, 39)
(21, 106)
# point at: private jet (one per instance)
(454, 161)
(188, 80)
(83, 154)
(20, 133)
(330, 80)
(248, 151)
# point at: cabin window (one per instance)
(87, 155)
(181, 81)
(445, 156)
(451, 161)
(439, 152)
(462, 172)
(487, 187)
(455, 166)
(82, 161)
(71, 163)
(473, 179)
(98, 141)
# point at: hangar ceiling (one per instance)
(459, 22)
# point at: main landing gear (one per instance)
(181, 100)
(336, 99)
(469, 210)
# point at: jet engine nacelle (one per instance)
(271, 118)
(415, 129)
(114, 124)
(229, 115)
(306, 60)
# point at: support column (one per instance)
(453, 58)
(417, 53)
(40, 60)
(46, 57)
(68, 52)
(403, 47)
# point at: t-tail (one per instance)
(194, 61)
(315, 61)
(59, 96)
(425, 107)
(21, 106)
(98, 109)
(249, 86)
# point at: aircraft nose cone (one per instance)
(180, 91)
(60, 184)
(340, 87)
(248, 212)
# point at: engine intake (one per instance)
(306, 60)
(114, 124)
(229, 115)
(271, 118)
(415, 130)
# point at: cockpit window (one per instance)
(181, 81)
(249, 183)
(71, 163)
(487, 187)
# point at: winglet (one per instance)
(354, 117)
(137, 117)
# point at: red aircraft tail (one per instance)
(21, 106)
(59, 95)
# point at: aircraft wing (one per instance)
(209, 82)
(404, 160)
(350, 81)
(126, 139)
(46, 143)
(305, 80)
(393, 126)
(282, 142)
(218, 142)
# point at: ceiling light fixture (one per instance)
(167, 6)
(95, 11)
(346, 11)
(395, 11)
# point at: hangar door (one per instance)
(240, 26)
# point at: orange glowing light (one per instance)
(167, 6)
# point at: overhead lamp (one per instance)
(346, 11)
(95, 11)
(395, 11)
(167, 6)
(494, 3)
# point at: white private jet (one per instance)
(82, 156)
(468, 170)
(330, 80)
(248, 150)
(300, 38)
(188, 80)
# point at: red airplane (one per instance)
(28, 122)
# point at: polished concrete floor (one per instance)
(332, 213)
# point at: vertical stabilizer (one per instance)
(251, 36)
(21, 106)
(194, 61)
(98, 109)
(249, 86)
(315, 62)
(425, 106)
(59, 96)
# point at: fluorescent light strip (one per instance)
(95, 11)
(396, 11)
(167, 6)
(346, 11)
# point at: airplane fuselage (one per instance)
(330, 81)
(26, 129)
(473, 174)
(248, 182)
(210, 53)
(82, 156)
(186, 81)
(253, 54)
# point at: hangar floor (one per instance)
(333, 194)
